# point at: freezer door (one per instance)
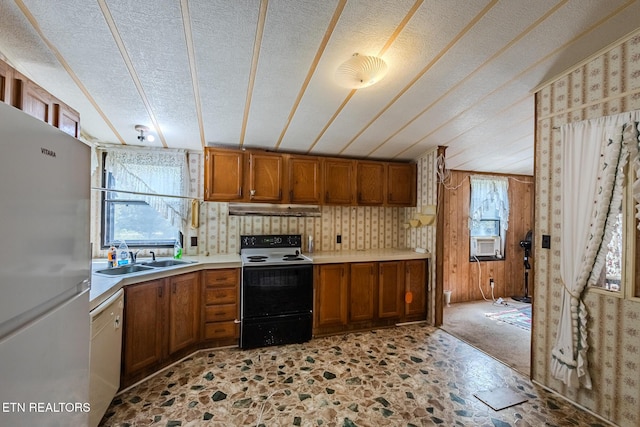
(45, 195)
(44, 369)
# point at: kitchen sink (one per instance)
(166, 263)
(125, 269)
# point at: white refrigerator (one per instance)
(45, 270)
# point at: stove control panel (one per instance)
(271, 241)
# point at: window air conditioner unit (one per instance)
(485, 246)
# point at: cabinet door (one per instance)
(304, 180)
(362, 291)
(184, 311)
(331, 295)
(6, 76)
(371, 180)
(66, 119)
(265, 177)
(401, 184)
(338, 182)
(391, 289)
(415, 284)
(37, 102)
(223, 174)
(144, 333)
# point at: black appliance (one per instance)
(527, 245)
(276, 297)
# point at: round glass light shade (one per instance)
(360, 71)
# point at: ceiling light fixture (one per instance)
(142, 137)
(361, 71)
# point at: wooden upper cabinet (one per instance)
(371, 180)
(66, 119)
(6, 77)
(22, 93)
(223, 174)
(401, 184)
(304, 179)
(267, 177)
(266, 172)
(339, 182)
(35, 101)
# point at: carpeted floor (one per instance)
(505, 342)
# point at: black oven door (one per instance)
(276, 290)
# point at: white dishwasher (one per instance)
(106, 349)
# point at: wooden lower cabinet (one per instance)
(357, 296)
(330, 306)
(145, 305)
(415, 280)
(363, 284)
(184, 311)
(161, 323)
(221, 306)
(391, 290)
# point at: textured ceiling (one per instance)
(260, 73)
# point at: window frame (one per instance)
(629, 286)
(106, 228)
(471, 235)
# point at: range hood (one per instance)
(269, 209)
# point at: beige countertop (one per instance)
(102, 287)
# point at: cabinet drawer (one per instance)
(220, 330)
(220, 296)
(220, 313)
(223, 277)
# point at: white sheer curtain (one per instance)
(594, 153)
(490, 195)
(153, 171)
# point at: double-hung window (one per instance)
(146, 205)
(488, 216)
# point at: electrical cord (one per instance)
(493, 298)
(480, 280)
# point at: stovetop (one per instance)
(272, 249)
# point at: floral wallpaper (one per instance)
(361, 227)
(604, 85)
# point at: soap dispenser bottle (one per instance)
(177, 250)
(123, 253)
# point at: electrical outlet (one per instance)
(491, 283)
(194, 241)
(338, 238)
(546, 241)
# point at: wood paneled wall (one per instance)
(461, 275)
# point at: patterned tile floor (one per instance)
(412, 375)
